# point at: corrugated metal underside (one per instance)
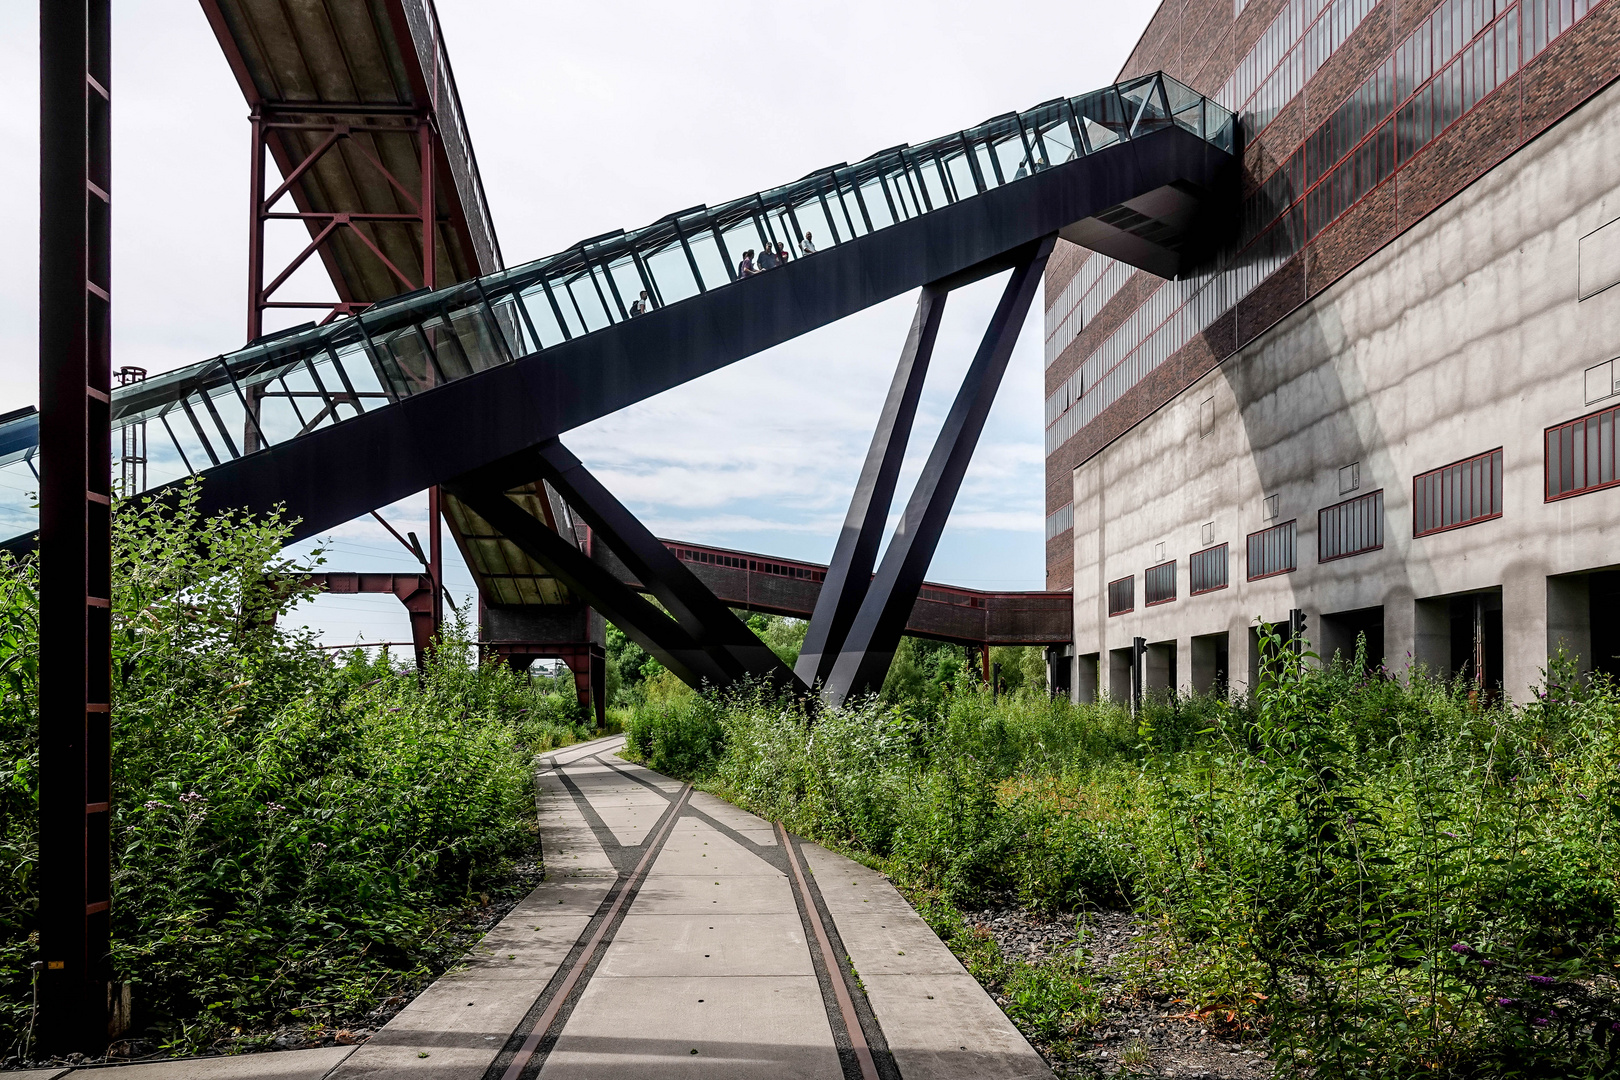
(314, 52)
(505, 575)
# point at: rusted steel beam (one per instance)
(75, 617)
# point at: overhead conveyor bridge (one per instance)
(467, 386)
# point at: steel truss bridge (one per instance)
(439, 367)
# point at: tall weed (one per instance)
(1389, 879)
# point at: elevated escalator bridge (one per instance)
(469, 385)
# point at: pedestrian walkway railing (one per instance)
(309, 377)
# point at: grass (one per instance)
(1387, 879)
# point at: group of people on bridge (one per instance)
(749, 266)
(770, 259)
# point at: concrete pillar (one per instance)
(1400, 626)
(1431, 636)
(1158, 667)
(1119, 676)
(1524, 632)
(1086, 680)
(1242, 655)
(1184, 665)
(1569, 618)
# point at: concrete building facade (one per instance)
(1391, 404)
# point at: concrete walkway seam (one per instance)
(548, 1018)
(863, 1052)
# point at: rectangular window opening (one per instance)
(1159, 583)
(1272, 551)
(1463, 493)
(1122, 595)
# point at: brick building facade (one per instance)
(1362, 120)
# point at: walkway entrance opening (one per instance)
(1211, 664)
(1461, 635)
(1342, 631)
(1604, 608)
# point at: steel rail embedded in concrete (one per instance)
(675, 935)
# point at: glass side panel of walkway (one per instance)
(310, 377)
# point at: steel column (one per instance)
(75, 616)
(643, 623)
(864, 658)
(735, 648)
(436, 557)
(850, 571)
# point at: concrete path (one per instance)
(677, 936)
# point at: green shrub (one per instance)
(291, 829)
(1390, 879)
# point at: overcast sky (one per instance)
(587, 118)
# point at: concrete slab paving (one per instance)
(708, 944)
(728, 815)
(646, 775)
(850, 888)
(696, 847)
(37, 1074)
(748, 1028)
(945, 1027)
(888, 945)
(683, 894)
(455, 1028)
(277, 1065)
(939, 1022)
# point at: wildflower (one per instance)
(1615, 1026)
(1505, 1002)
(274, 808)
(1453, 836)
(1462, 947)
(319, 846)
(1487, 963)
(191, 797)
(154, 804)
(1540, 1021)
(1542, 980)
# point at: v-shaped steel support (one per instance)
(715, 627)
(850, 571)
(641, 621)
(864, 657)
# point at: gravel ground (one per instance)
(1177, 1043)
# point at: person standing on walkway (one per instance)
(746, 267)
(767, 258)
(781, 254)
(807, 246)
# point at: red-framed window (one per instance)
(1350, 527)
(1580, 455)
(1159, 583)
(1272, 551)
(1463, 493)
(1122, 595)
(1206, 570)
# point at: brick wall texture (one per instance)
(1199, 42)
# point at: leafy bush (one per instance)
(290, 829)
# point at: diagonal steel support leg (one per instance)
(643, 623)
(850, 571)
(864, 658)
(735, 648)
